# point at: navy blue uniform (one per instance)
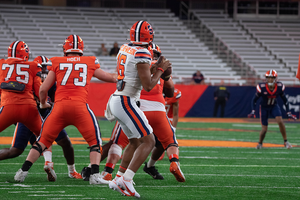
(269, 106)
(23, 135)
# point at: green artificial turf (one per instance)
(211, 172)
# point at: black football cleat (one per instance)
(152, 172)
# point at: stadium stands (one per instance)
(44, 28)
(262, 44)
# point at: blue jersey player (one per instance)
(23, 135)
(268, 92)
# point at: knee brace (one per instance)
(115, 149)
(36, 146)
(172, 145)
(96, 148)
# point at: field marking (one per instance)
(60, 195)
(237, 158)
(259, 126)
(181, 142)
(37, 191)
(159, 164)
(176, 186)
(253, 152)
(75, 198)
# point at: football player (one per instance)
(23, 135)
(72, 74)
(172, 110)
(172, 107)
(152, 104)
(133, 63)
(268, 92)
(19, 80)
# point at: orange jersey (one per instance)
(156, 93)
(73, 76)
(170, 101)
(24, 72)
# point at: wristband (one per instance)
(160, 69)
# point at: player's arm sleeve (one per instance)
(285, 102)
(254, 100)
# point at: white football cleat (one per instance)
(96, 179)
(128, 187)
(114, 186)
(75, 175)
(288, 145)
(48, 167)
(20, 175)
(259, 146)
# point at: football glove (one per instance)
(252, 114)
(290, 116)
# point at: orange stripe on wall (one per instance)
(99, 94)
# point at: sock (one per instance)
(128, 175)
(119, 174)
(95, 169)
(71, 168)
(90, 166)
(47, 155)
(151, 163)
(109, 167)
(26, 166)
(173, 158)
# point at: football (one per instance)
(167, 74)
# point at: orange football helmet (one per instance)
(271, 74)
(141, 33)
(73, 44)
(41, 60)
(18, 49)
(154, 50)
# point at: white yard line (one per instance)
(258, 125)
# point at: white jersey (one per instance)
(127, 59)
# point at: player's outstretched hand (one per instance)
(252, 114)
(290, 116)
